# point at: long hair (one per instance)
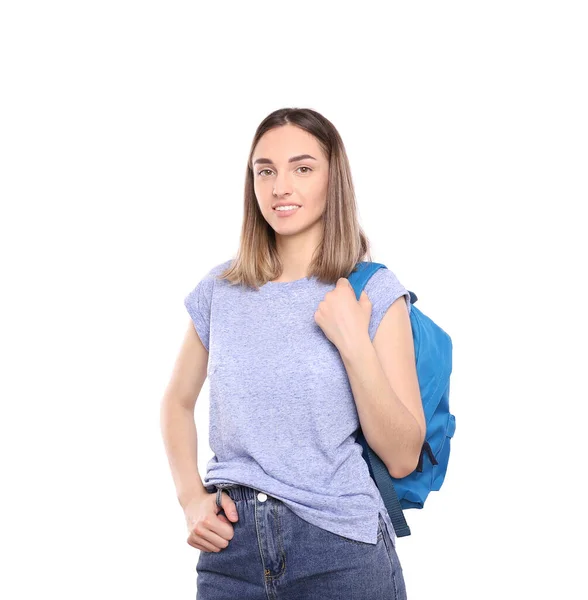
(343, 242)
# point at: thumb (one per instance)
(365, 303)
(229, 507)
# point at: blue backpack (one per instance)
(433, 352)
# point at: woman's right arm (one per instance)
(178, 426)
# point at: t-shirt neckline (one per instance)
(284, 284)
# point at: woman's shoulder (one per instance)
(213, 272)
(383, 287)
(203, 286)
(218, 269)
(382, 279)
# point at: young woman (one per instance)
(295, 367)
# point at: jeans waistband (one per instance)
(236, 492)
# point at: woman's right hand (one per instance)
(207, 530)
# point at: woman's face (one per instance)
(303, 181)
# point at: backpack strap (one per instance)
(383, 479)
(378, 470)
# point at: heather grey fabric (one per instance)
(282, 415)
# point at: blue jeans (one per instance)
(276, 555)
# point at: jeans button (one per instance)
(261, 497)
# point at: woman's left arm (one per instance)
(385, 387)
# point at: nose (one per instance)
(282, 185)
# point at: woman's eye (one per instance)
(269, 170)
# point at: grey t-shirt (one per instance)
(283, 419)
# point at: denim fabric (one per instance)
(276, 555)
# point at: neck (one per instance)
(296, 252)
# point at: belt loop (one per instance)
(219, 493)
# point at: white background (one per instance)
(124, 133)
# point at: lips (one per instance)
(286, 213)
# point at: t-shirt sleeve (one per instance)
(198, 303)
(383, 288)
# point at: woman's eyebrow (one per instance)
(267, 161)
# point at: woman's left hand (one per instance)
(342, 317)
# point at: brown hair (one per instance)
(343, 243)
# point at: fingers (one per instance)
(204, 537)
(224, 519)
(229, 506)
(203, 548)
(213, 532)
